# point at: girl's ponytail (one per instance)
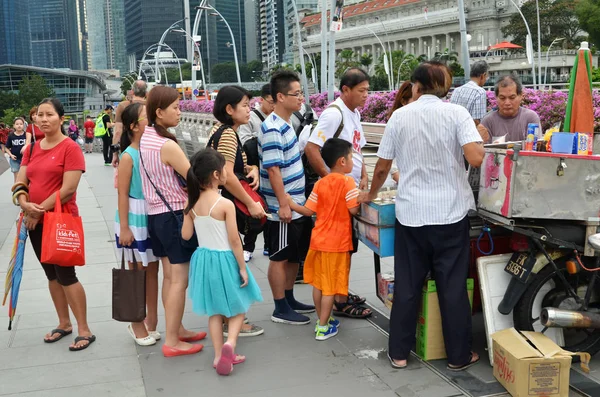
(193, 189)
(204, 164)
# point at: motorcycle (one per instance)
(554, 283)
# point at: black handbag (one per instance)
(128, 293)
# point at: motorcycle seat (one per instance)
(594, 241)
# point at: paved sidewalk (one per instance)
(285, 360)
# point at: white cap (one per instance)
(584, 45)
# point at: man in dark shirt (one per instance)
(107, 138)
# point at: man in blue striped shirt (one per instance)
(282, 174)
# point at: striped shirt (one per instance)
(162, 175)
(426, 139)
(228, 144)
(278, 147)
(472, 97)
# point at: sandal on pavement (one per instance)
(472, 361)
(394, 365)
(355, 299)
(146, 341)
(237, 360)
(61, 334)
(155, 335)
(352, 311)
(89, 339)
(225, 364)
(195, 338)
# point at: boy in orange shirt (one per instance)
(327, 265)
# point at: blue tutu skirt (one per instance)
(214, 285)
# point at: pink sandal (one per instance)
(236, 361)
(225, 364)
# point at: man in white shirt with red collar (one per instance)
(342, 120)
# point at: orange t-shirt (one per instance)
(331, 199)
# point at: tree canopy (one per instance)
(32, 89)
(588, 13)
(557, 20)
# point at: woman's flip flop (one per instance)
(225, 364)
(469, 364)
(89, 339)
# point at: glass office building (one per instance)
(78, 91)
(147, 22)
(14, 32)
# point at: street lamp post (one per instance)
(217, 13)
(301, 50)
(463, 37)
(537, 7)
(324, 45)
(548, 53)
(163, 37)
(399, 67)
(529, 32)
(314, 68)
(192, 65)
(386, 65)
(156, 54)
(387, 41)
(145, 62)
(193, 35)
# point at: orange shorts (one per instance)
(327, 271)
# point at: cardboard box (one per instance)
(430, 340)
(385, 288)
(542, 366)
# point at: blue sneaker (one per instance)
(300, 307)
(332, 322)
(326, 332)
(290, 317)
(266, 252)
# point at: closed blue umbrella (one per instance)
(14, 274)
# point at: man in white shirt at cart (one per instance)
(354, 88)
(428, 139)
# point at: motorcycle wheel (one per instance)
(546, 290)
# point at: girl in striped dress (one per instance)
(131, 222)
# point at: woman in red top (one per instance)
(33, 132)
(54, 164)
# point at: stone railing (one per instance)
(193, 131)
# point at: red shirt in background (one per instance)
(89, 128)
(39, 134)
(46, 168)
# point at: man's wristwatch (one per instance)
(115, 148)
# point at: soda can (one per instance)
(532, 136)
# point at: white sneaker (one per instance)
(247, 256)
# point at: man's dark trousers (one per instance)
(444, 250)
(106, 143)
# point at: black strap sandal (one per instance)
(89, 339)
(469, 364)
(351, 311)
(61, 334)
(356, 299)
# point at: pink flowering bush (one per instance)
(549, 105)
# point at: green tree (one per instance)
(252, 71)
(557, 18)
(173, 74)
(127, 81)
(588, 13)
(224, 73)
(457, 70)
(366, 60)
(8, 100)
(446, 57)
(32, 89)
(346, 60)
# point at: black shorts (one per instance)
(165, 232)
(354, 240)
(286, 242)
(89, 140)
(64, 275)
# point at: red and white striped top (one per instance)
(162, 175)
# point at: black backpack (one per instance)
(306, 119)
(251, 145)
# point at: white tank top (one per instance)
(211, 232)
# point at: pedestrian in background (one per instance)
(432, 203)
(55, 164)
(471, 95)
(88, 128)
(33, 131)
(131, 221)
(73, 130)
(104, 130)
(15, 143)
(163, 168)
(221, 284)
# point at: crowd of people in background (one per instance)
(255, 177)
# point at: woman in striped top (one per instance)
(163, 163)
